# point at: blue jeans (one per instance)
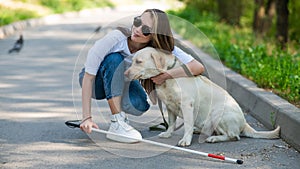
(110, 82)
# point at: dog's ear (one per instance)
(159, 60)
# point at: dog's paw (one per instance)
(211, 139)
(165, 135)
(184, 142)
(220, 138)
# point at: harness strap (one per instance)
(173, 65)
(187, 71)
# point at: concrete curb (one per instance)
(268, 108)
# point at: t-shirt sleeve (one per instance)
(100, 49)
(182, 56)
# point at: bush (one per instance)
(60, 6)
(8, 15)
(278, 72)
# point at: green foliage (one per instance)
(260, 61)
(60, 6)
(278, 72)
(202, 5)
(8, 16)
(294, 17)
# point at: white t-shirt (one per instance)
(116, 41)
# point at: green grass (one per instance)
(59, 6)
(257, 59)
(10, 15)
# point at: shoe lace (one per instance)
(126, 120)
(122, 121)
(124, 124)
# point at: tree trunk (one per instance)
(259, 13)
(282, 22)
(263, 16)
(230, 11)
(270, 13)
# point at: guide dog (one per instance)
(197, 100)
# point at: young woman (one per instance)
(103, 76)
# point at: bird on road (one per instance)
(18, 45)
(97, 29)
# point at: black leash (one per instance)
(164, 124)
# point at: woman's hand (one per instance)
(161, 78)
(87, 126)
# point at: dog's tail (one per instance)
(250, 132)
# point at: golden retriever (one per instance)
(198, 101)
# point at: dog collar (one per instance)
(173, 65)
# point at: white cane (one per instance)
(215, 156)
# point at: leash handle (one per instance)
(73, 123)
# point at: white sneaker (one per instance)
(119, 125)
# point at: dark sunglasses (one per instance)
(137, 22)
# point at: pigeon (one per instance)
(18, 45)
(97, 29)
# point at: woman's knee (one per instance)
(112, 59)
(112, 65)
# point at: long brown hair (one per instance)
(162, 37)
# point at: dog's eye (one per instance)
(138, 61)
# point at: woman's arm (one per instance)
(87, 85)
(195, 67)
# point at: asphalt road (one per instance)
(39, 92)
